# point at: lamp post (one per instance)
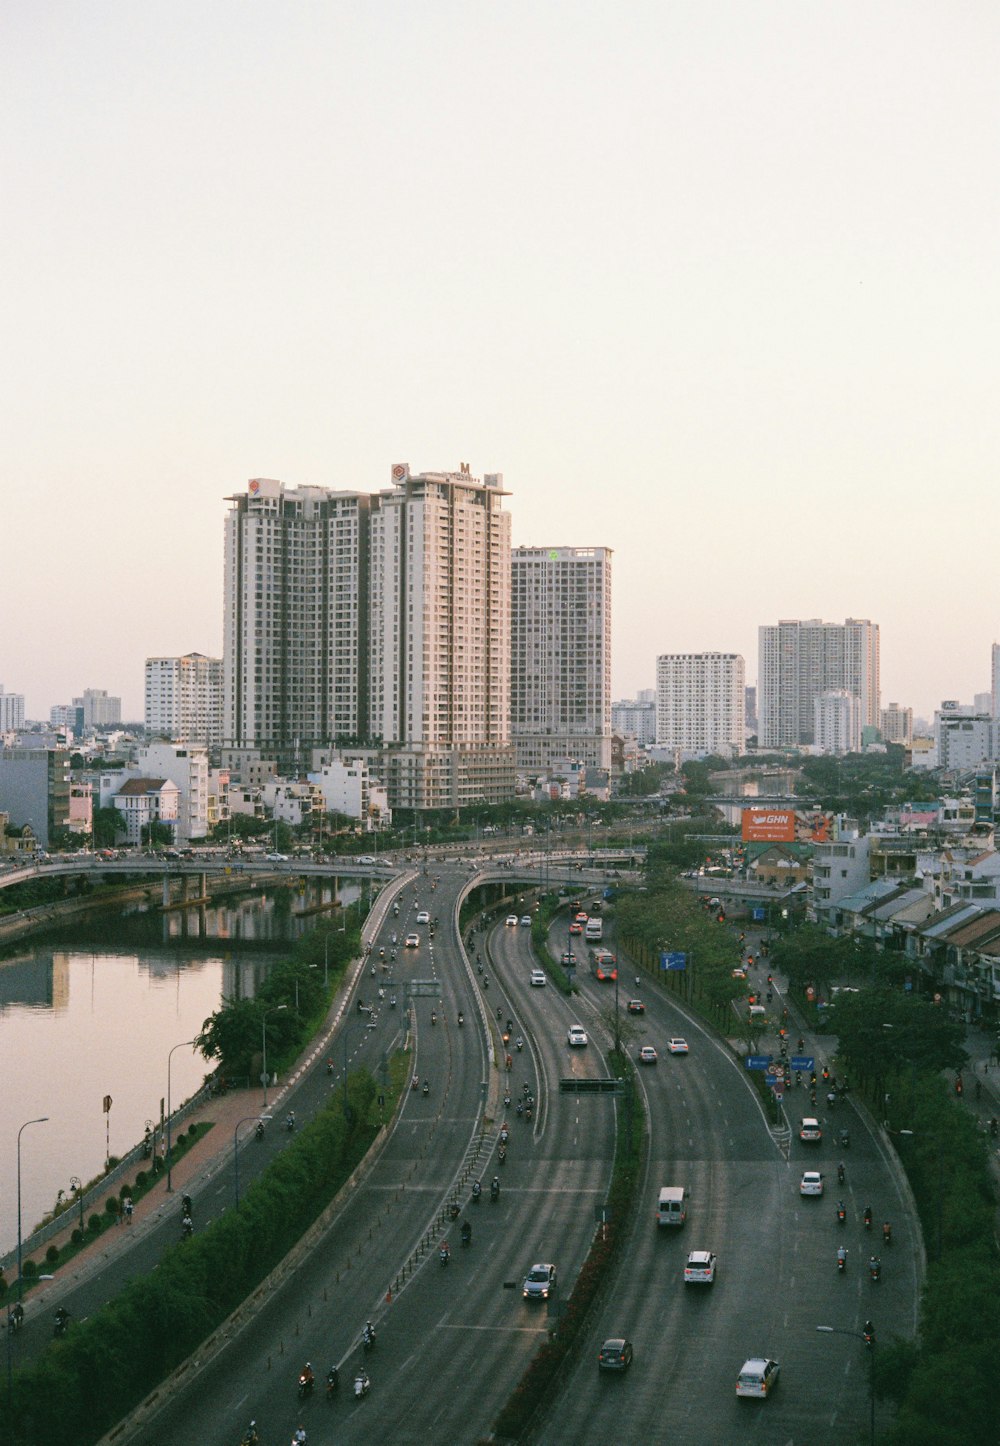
(868, 1336)
(263, 1043)
(236, 1155)
(76, 1185)
(40, 1121)
(169, 1152)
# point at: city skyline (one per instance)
(713, 287)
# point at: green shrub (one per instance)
(52, 1254)
(140, 1180)
(124, 1191)
(29, 1270)
(77, 1236)
(111, 1205)
(94, 1224)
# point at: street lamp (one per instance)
(76, 1185)
(40, 1121)
(263, 1043)
(236, 1156)
(868, 1336)
(169, 1152)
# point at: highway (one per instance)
(453, 1341)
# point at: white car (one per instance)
(423, 917)
(540, 1282)
(412, 941)
(538, 978)
(700, 1268)
(758, 1377)
(810, 1131)
(511, 921)
(677, 1046)
(525, 921)
(367, 859)
(576, 1035)
(277, 858)
(811, 1183)
(647, 1054)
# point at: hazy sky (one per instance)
(712, 284)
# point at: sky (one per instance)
(712, 284)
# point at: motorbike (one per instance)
(332, 1382)
(868, 1217)
(841, 1215)
(494, 1188)
(502, 1154)
(840, 1173)
(187, 1228)
(434, 1018)
(290, 1123)
(886, 1233)
(453, 1210)
(362, 1385)
(477, 1190)
(506, 1100)
(427, 1088)
(519, 1043)
(841, 1260)
(875, 1268)
(844, 1139)
(259, 1130)
(466, 1233)
(444, 1255)
(329, 1066)
(869, 1334)
(368, 1337)
(62, 1322)
(461, 1019)
(392, 1001)
(15, 1319)
(250, 1437)
(305, 1384)
(504, 1135)
(520, 1108)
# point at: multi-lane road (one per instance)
(453, 1341)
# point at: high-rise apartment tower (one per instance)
(560, 656)
(800, 660)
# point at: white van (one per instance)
(593, 930)
(671, 1206)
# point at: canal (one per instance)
(92, 1011)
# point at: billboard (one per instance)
(768, 825)
(786, 825)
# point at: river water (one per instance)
(93, 1011)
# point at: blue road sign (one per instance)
(758, 1061)
(757, 915)
(803, 1061)
(673, 960)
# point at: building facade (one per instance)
(635, 718)
(701, 703)
(800, 660)
(837, 722)
(11, 711)
(35, 790)
(378, 619)
(897, 724)
(184, 699)
(560, 673)
(98, 709)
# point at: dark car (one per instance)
(616, 1355)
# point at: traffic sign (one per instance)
(803, 1061)
(591, 1086)
(673, 960)
(758, 1061)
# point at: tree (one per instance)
(108, 827)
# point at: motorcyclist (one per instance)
(62, 1320)
(290, 1122)
(250, 1437)
(444, 1254)
(434, 1018)
(841, 1211)
(427, 1087)
(466, 1232)
(332, 1380)
(259, 1129)
(307, 1379)
(495, 1186)
(841, 1256)
(187, 1227)
(299, 1439)
(840, 1172)
(868, 1217)
(519, 1042)
(886, 1232)
(875, 1267)
(477, 1189)
(368, 1336)
(461, 1018)
(329, 1066)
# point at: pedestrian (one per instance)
(128, 1209)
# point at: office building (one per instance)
(184, 699)
(560, 674)
(800, 660)
(381, 619)
(701, 704)
(35, 790)
(963, 738)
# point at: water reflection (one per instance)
(94, 1011)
